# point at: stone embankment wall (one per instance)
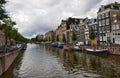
(6, 60)
(115, 51)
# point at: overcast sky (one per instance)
(39, 16)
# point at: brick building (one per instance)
(109, 23)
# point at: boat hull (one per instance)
(99, 52)
(76, 48)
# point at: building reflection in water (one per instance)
(68, 64)
(82, 63)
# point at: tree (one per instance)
(57, 38)
(92, 36)
(92, 33)
(64, 39)
(3, 13)
(74, 37)
(8, 25)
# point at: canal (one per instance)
(39, 61)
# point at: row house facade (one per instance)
(67, 27)
(86, 30)
(59, 33)
(85, 27)
(61, 30)
(109, 23)
(49, 35)
(94, 24)
(40, 37)
(81, 29)
(64, 26)
(72, 26)
(106, 26)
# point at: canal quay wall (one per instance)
(6, 60)
(115, 50)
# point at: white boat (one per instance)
(97, 51)
(76, 48)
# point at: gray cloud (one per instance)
(40, 16)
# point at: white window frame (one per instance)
(108, 21)
(103, 16)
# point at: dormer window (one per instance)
(102, 15)
(102, 7)
(107, 14)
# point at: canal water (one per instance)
(40, 61)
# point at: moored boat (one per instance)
(97, 51)
(76, 48)
(67, 48)
(60, 45)
(24, 46)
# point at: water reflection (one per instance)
(90, 65)
(41, 61)
(86, 65)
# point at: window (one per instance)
(100, 23)
(107, 22)
(117, 26)
(95, 27)
(103, 22)
(113, 27)
(99, 16)
(115, 21)
(100, 38)
(102, 15)
(103, 29)
(118, 33)
(107, 14)
(114, 15)
(100, 29)
(107, 28)
(104, 38)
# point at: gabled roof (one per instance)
(115, 6)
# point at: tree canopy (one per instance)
(74, 37)
(92, 33)
(3, 13)
(7, 25)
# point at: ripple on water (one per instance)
(45, 62)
